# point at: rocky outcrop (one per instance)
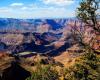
(15, 72)
(10, 69)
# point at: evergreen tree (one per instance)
(88, 12)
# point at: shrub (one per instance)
(44, 73)
(87, 68)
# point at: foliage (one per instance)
(43, 73)
(88, 13)
(86, 68)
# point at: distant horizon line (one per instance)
(39, 18)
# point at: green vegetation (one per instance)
(88, 12)
(86, 67)
(43, 73)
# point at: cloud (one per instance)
(58, 2)
(24, 8)
(29, 7)
(34, 11)
(5, 9)
(16, 4)
(37, 13)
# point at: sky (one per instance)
(38, 8)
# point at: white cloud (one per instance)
(16, 4)
(24, 8)
(29, 7)
(5, 9)
(37, 13)
(58, 2)
(34, 11)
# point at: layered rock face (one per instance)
(39, 35)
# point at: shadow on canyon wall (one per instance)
(15, 72)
